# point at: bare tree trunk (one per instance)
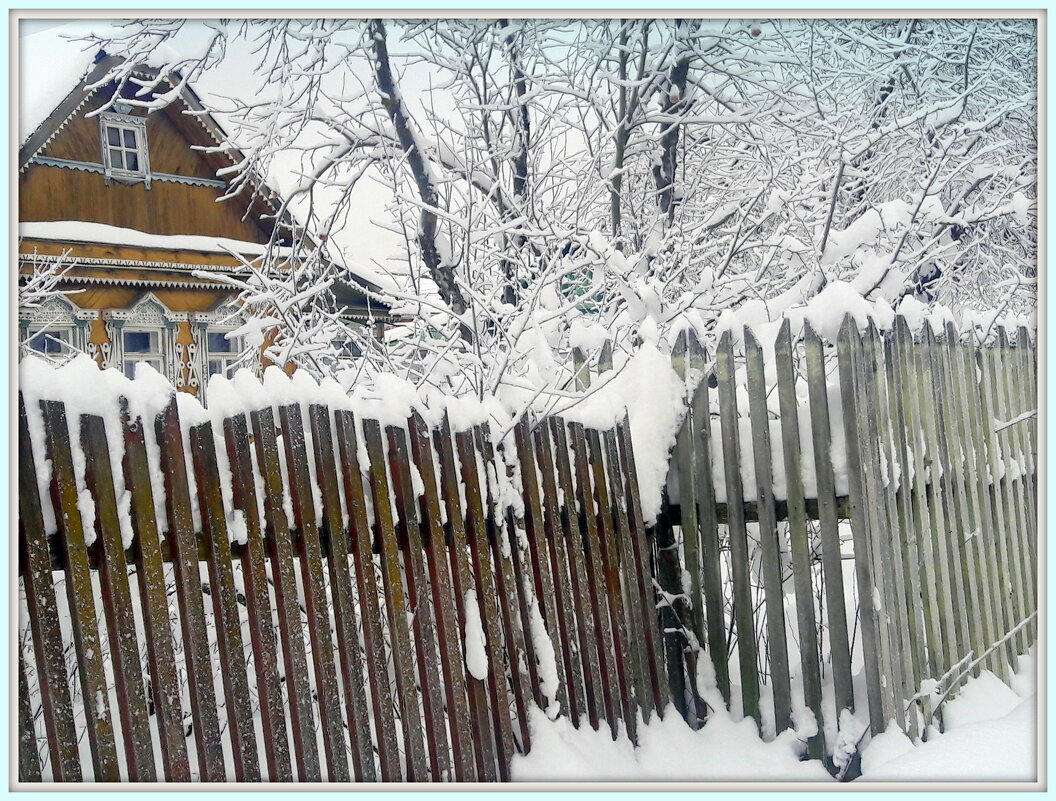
(673, 103)
(442, 274)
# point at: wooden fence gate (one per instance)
(364, 607)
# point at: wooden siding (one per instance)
(56, 193)
(169, 148)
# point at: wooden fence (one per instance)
(377, 644)
(939, 449)
(410, 631)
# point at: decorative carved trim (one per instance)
(147, 265)
(54, 311)
(87, 166)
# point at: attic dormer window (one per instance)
(124, 140)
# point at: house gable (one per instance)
(65, 180)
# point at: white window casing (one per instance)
(124, 145)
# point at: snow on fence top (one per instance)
(644, 387)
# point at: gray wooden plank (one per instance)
(117, 603)
(868, 615)
(225, 610)
(828, 522)
(738, 532)
(258, 602)
(798, 535)
(291, 631)
(770, 548)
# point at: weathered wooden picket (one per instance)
(348, 650)
(940, 508)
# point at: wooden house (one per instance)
(130, 201)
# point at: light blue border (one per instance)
(435, 6)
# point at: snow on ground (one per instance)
(724, 750)
(991, 736)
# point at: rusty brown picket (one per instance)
(318, 615)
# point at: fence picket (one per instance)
(538, 550)
(117, 603)
(868, 614)
(443, 602)
(367, 593)
(627, 571)
(588, 646)
(979, 627)
(711, 551)
(291, 634)
(507, 591)
(555, 548)
(909, 563)
(1022, 399)
(799, 537)
(476, 534)
(688, 521)
(595, 578)
(258, 603)
(966, 375)
(409, 538)
(609, 568)
(28, 759)
(640, 550)
(1001, 571)
(831, 555)
(39, 584)
(417, 768)
(773, 584)
(918, 517)
(462, 574)
(79, 593)
(947, 510)
(738, 531)
(336, 553)
(894, 546)
(225, 612)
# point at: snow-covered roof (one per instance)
(98, 233)
(50, 67)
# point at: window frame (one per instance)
(227, 358)
(157, 359)
(62, 333)
(125, 122)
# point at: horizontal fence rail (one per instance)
(332, 599)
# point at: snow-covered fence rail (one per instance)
(916, 457)
(366, 602)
